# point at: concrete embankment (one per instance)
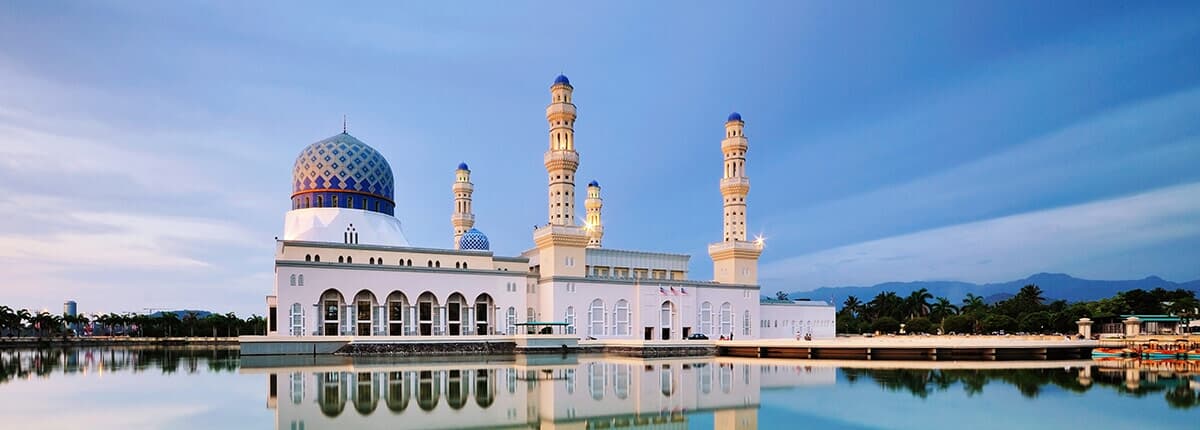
(66, 342)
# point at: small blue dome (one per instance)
(462, 166)
(734, 117)
(593, 184)
(473, 240)
(562, 79)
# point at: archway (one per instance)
(330, 394)
(429, 389)
(427, 305)
(366, 397)
(485, 387)
(456, 309)
(398, 391)
(331, 312)
(364, 313)
(397, 306)
(484, 306)
(456, 389)
(667, 319)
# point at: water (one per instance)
(212, 388)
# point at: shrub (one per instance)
(958, 324)
(996, 322)
(1036, 322)
(848, 324)
(886, 325)
(918, 325)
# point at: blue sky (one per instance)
(146, 147)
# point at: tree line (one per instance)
(23, 323)
(1027, 311)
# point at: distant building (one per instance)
(344, 266)
(69, 308)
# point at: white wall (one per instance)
(785, 321)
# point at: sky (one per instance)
(146, 147)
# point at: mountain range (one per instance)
(1055, 286)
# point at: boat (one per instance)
(1112, 352)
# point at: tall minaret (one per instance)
(593, 225)
(561, 159)
(735, 261)
(462, 219)
(734, 184)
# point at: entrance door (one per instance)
(331, 316)
(454, 311)
(687, 331)
(649, 333)
(363, 309)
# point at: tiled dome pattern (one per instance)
(473, 240)
(343, 166)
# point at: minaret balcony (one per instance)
(561, 160)
(735, 184)
(461, 217)
(463, 187)
(736, 142)
(556, 109)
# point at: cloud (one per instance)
(1012, 246)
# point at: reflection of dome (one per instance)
(473, 240)
(562, 79)
(462, 166)
(734, 117)
(343, 172)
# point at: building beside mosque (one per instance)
(345, 268)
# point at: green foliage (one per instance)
(998, 322)
(919, 325)
(958, 324)
(1035, 322)
(886, 325)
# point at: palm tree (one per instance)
(942, 308)
(852, 306)
(189, 318)
(1032, 293)
(8, 319)
(973, 303)
(918, 303)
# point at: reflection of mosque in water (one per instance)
(582, 393)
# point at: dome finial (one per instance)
(343, 123)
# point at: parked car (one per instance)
(697, 336)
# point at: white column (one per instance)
(442, 324)
(411, 327)
(470, 320)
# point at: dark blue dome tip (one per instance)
(462, 166)
(734, 117)
(562, 79)
(593, 184)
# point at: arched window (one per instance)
(320, 201)
(457, 265)
(307, 257)
(746, 322)
(622, 318)
(429, 263)
(726, 318)
(372, 260)
(297, 320)
(317, 258)
(334, 200)
(511, 319)
(569, 318)
(307, 202)
(464, 264)
(706, 318)
(410, 262)
(596, 318)
(341, 259)
(293, 280)
(596, 380)
(301, 283)
(349, 259)
(437, 264)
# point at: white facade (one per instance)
(782, 319)
(344, 267)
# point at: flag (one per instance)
(673, 291)
(661, 291)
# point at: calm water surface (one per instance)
(213, 388)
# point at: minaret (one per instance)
(593, 225)
(462, 219)
(561, 244)
(734, 184)
(561, 159)
(735, 260)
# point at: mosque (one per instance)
(345, 268)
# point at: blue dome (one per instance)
(462, 166)
(593, 184)
(562, 79)
(473, 240)
(734, 117)
(342, 171)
